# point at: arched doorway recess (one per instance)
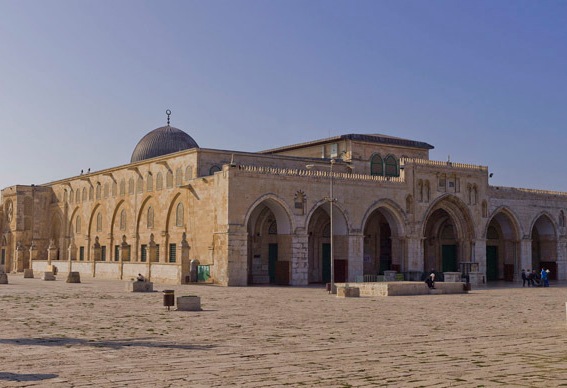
(544, 245)
(502, 247)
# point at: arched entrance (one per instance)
(447, 236)
(269, 244)
(382, 245)
(319, 257)
(502, 239)
(544, 246)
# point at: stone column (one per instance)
(415, 259)
(19, 262)
(237, 258)
(562, 258)
(33, 254)
(97, 253)
(51, 252)
(526, 253)
(124, 255)
(479, 254)
(185, 261)
(355, 256)
(299, 260)
(72, 254)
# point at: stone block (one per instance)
(3, 278)
(140, 286)
(189, 303)
(74, 277)
(348, 292)
(452, 276)
(48, 275)
(28, 273)
(389, 276)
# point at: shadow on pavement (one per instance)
(26, 376)
(117, 344)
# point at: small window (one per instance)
(159, 181)
(114, 189)
(123, 220)
(78, 225)
(188, 173)
(178, 177)
(122, 187)
(144, 252)
(172, 253)
(376, 165)
(150, 220)
(116, 252)
(106, 191)
(131, 186)
(91, 193)
(140, 185)
(81, 253)
(179, 215)
(98, 191)
(214, 169)
(99, 222)
(103, 253)
(391, 165)
(149, 182)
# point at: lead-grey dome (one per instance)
(162, 141)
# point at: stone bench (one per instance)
(137, 286)
(48, 275)
(189, 303)
(28, 273)
(348, 292)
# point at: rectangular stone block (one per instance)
(348, 292)
(28, 273)
(189, 303)
(140, 286)
(3, 278)
(48, 276)
(73, 277)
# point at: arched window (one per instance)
(84, 197)
(178, 177)
(179, 215)
(91, 193)
(71, 196)
(149, 182)
(114, 189)
(159, 181)
(150, 222)
(140, 185)
(214, 169)
(188, 173)
(391, 166)
(99, 222)
(78, 225)
(376, 165)
(123, 220)
(122, 187)
(106, 190)
(131, 186)
(98, 191)
(78, 196)
(169, 180)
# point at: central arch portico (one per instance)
(448, 235)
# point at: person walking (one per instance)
(524, 278)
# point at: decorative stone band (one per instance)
(436, 163)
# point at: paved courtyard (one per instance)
(54, 334)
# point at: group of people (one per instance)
(535, 279)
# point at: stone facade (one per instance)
(258, 218)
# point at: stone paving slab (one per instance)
(95, 334)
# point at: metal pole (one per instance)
(331, 200)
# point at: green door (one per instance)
(272, 258)
(491, 263)
(326, 266)
(449, 258)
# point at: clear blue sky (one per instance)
(483, 81)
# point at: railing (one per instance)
(529, 191)
(436, 163)
(317, 173)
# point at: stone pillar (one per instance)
(72, 254)
(479, 254)
(51, 252)
(19, 262)
(299, 260)
(355, 256)
(237, 259)
(97, 254)
(526, 253)
(415, 254)
(33, 254)
(562, 258)
(185, 261)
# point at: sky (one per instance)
(484, 82)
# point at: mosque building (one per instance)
(245, 218)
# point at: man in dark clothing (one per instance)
(524, 278)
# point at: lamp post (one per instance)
(331, 199)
